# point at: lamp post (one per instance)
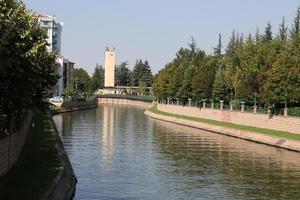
(231, 106)
(212, 102)
(285, 111)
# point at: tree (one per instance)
(185, 92)
(97, 80)
(283, 31)
(283, 78)
(261, 67)
(142, 87)
(268, 33)
(26, 67)
(70, 91)
(295, 32)
(82, 80)
(122, 75)
(218, 49)
(141, 72)
(296, 25)
(222, 87)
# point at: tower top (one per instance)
(108, 49)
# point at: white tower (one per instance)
(109, 67)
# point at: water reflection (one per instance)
(118, 153)
(236, 167)
(107, 136)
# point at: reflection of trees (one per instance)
(74, 122)
(244, 169)
(130, 123)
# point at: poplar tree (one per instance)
(268, 33)
(283, 30)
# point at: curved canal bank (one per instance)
(44, 170)
(117, 152)
(281, 142)
(64, 184)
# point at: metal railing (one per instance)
(130, 97)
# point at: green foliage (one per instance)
(142, 87)
(264, 68)
(97, 80)
(82, 81)
(26, 67)
(222, 87)
(141, 72)
(70, 91)
(122, 75)
(268, 33)
(218, 49)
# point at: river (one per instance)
(119, 153)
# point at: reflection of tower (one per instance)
(107, 133)
(109, 67)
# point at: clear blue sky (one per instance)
(155, 29)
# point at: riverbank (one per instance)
(76, 106)
(43, 171)
(128, 102)
(276, 138)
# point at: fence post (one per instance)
(285, 112)
(190, 100)
(204, 104)
(255, 109)
(243, 106)
(221, 104)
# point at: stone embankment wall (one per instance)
(289, 124)
(143, 104)
(12, 145)
(75, 106)
(64, 184)
(243, 134)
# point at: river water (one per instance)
(119, 153)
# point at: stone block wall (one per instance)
(289, 124)
(12, 145)
(142, 104)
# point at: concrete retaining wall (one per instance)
(247, 135)
(142, 104)
(64, 185)
(75, 106)
(289, 124)
(12, 145)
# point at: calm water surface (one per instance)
(119, 153)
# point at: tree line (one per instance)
(263, 68)
(140, 76)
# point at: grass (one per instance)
(38, 165)
(282, 134)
